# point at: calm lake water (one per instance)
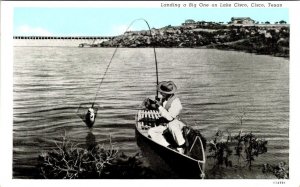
(214, 86)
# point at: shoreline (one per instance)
(265, 40)
(222, 47)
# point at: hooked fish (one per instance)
(90, 117)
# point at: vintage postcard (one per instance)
(149, 90)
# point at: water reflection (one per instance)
(90, 141)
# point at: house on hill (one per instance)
(242, 21)
(190, 21)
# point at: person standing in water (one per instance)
(169, 108)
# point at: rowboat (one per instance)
(168, 162)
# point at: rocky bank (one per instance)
(260, 39)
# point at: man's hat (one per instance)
(167, 87)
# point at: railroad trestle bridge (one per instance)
(63, 37)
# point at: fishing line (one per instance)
(115, 51)
(89, 117)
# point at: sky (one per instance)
(114, 21)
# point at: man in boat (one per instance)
(169, 107)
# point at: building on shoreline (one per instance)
(242, 21)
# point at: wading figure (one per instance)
(169, 107)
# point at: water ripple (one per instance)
(214, 86)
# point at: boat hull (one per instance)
(168, 162)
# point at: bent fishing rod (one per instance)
(115, 51)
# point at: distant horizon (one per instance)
(95, 36)
(71, 22)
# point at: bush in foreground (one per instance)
(68, 161)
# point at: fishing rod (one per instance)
(115, 51)
(90, 116)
